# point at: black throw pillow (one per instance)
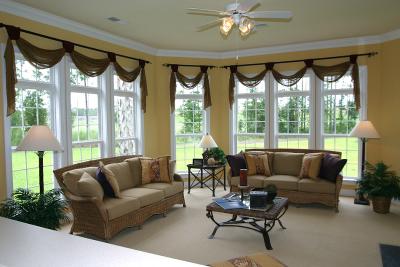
(102, 179)
(236, 162)
(331, 167)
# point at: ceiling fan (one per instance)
(241, 15)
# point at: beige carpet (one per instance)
(315, 235)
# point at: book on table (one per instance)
(230, 203)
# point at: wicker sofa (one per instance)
(301, 191)
(106, 217)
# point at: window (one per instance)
(85, 118)
(189, 124)
(292, 107)
(92, 117)
(126, 110)
(310, 114)
(33, 107)
(249, 122)
(339, 118)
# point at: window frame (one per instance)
(316, 107)
(51, 88)
(137, 116)
(99, 91)
(312, 100)
(234, 114)
(60, 114)
(205, 123)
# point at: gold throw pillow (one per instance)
(257, 164)
(155, 170)
(110, 179)
(311, 165)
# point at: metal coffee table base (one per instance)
(252, 225)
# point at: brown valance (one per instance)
(46, 58)
(189, 83)
(324, 73)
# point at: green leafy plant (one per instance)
(218, 154)
(47, 210)
(379, 181)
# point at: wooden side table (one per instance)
(215, 173)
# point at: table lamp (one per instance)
(39, 138)
(364, 130)
(207, 142)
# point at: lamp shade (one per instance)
(207, 142)
(365, 129)
(39, 138)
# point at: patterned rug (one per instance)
(390, 255)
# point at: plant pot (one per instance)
(381, 204)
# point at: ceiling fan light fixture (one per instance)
(246, 26)
(226, 26)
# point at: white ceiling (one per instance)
(165, 24)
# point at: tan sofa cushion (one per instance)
(111, 179)
(123, 174)
(146, 196)
(270, 157)
(116, 207)
(316, 186)
(88, 186)
(71, 178)
(257, 164)
(287, 163)
(311, 165)
(136, 170)
(286, 182)
(252, 180)
(167, 189)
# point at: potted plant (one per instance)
(218, 155)
(47, 210)
(380, 185)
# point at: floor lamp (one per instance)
(39, 138)
(364, 130)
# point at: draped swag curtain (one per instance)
(324, 73)
(189, 83)
(46, 58)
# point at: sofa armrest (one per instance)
(339, 182)
(80, 204)
(178, 178)
(228, 174)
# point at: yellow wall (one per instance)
(383, 91)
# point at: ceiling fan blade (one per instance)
(260, 25)
(247, 6)
(270, 15)
(211, 12)
(208, 25)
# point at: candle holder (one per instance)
(243, 177)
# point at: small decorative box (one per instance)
(258, 199)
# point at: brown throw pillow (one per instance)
(110, 179)
(257, 164)
(311, 165)
(155, 170)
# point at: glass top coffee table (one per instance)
(249, 218)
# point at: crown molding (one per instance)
(38, 15)
(25, 11)
(390, 36)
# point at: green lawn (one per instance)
(336, 144)
(184, 155)
(30, 178)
